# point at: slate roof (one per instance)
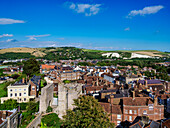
(150, 81)
(35, 79)
(110, 90)
(19, 83)
(153, 124)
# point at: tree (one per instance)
(51, 120)
(49, 109)
(9, 104)
(1, 72)
(31, 67)
(32, 107)
(66, 81)
(87, 114)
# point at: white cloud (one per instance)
(145, 11)
(104, 48)
(127, 29)
(61, 38)
(10, 21)
(11, 40)
(34, 37)
(72, 6)
(52, 45)
(6, 35)
(87, 9)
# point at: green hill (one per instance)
(55, 53)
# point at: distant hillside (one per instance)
(55, 53)
(32, 51)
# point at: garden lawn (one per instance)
(3, 93)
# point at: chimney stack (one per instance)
(111, 85)
(23, 80)
(122, 87)
(133, 95)
(97, 82)
(137, 81)
(93, 83)
(146, 83)
(154, 77)
(111, 98)
(155, 101)
(106, 82)
(4, 114)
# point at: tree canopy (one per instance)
(51, 120)
(9, 105)
(31, 67)
(87, 114)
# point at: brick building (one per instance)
(128, 108)
(71, 75)
(35, 82)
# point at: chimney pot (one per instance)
(111, 98)
(23, 80)
(146, 83)
(97, 82)
(4, 113)
(155, 101)
(133, 95)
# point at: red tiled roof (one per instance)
(116, 109)
(45, 66)
(137, 101)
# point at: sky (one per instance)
(91, 24)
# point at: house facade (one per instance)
(23, 91)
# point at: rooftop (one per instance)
(137, 101)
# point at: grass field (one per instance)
(32, 51)
(3, 93)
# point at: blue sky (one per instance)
(93, 24)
